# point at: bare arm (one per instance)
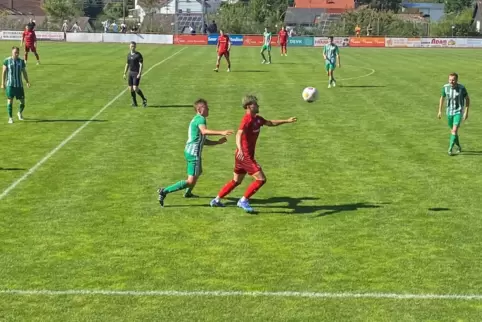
(141, 65)
(4, 75)
(280, 122)
(338, 60)
(467, 105)
(205, 131)
(440, 105)
(126, 68)
(25, 76)
(229, 45)
(239, 135)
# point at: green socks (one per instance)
(453, 138)
(9, 109)
(457, 143)
(189, 191)
(176, 187)
(22, 107)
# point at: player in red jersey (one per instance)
(223, 48)
(245, 163)
(283, 40)
(30, 40)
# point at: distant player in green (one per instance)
(331, 54)
(13, 69)
(197, 132)
(457, 108)
(266, 46)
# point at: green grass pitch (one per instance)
(361, 196)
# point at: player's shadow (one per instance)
(59, 64)
(362, 86)
(471, 153)
(251, 71)
(438, 209)
(66, 120)
(294, 206)
(170, 105)
(11, 169)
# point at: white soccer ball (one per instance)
(310, 94)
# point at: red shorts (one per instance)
(224, 53)
(248, 165)
(30, 48)
(283, 44)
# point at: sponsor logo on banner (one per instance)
(367, 42)
(236, 40)
(439, 42)
(249, 40)
(41, 35)
(190, 40)
(300, 41)
(474, 42)
(339, 41)
(403, 42)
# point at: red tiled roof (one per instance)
(325, 4)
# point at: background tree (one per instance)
(59, 10)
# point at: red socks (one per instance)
(227, 188)
(253, 188)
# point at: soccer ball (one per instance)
(310, 94)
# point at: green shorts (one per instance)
(454, 120)
(266, 47)
(329, 66)
(194, 165)
(15, 92)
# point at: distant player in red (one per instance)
(223, 48)
(30, 40)
(283, 40)
(245, 163)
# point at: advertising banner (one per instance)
(339, 41)
(236, 40)
(190, 39)
(438, 42)
(139, 38)
(41, 35)
(367, 41)
(255, 40)
(84, 37)
(301, 41)
(403, 42)
(474, 43)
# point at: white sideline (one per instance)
(345, 295)
(67, 140)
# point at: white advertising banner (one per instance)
(403, 42)
(41, 35)
(474, 42)
(339, 41)
(83, 37)
(439, 42)
(139, 38)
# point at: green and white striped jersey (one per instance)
(455, 98)
(14, 71)
(266, 38)
(195, 140)
(331, 51)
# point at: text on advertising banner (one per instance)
(190, 39)
(367, 41)
(300, 41)
(339, 41)
(255, 40)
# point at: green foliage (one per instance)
(382, 23)
(462, 23)
(114, 11)
(60, 10)
(393, 5)
(456, 6)
(250, 17)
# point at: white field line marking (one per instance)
(346, 295)
(372, 71)
(74, 134)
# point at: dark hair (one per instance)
(455, 75)
(133, 43)
(331, 38)
(200, 101)
(249, 100)
(15, 48)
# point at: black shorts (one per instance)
(133, 80)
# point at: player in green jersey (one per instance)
(13, 69)
(457, 108)
(197, 133)
(331, 54)
(266, 46)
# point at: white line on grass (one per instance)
(346, 295)
(74, 134)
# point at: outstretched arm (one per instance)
(279, 122)
(205, 131)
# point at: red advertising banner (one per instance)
(255, 40)
(190, 40)
(367, 41)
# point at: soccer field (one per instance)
(364, 216)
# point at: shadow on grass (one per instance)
(438, 209)
(294, 206)
(362, 86)
(66, 120)
(470, 153)
(250, 71)
(11, 169)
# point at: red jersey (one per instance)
(283, 36)
(29, 37)
(223, 42)
(251, 126)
